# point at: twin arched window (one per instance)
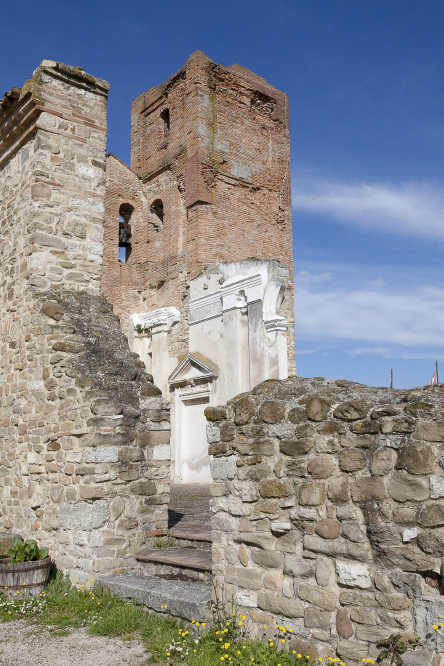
(125, 213)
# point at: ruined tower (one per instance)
(198, 242)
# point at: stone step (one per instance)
(184, 558)
(184, 599)
(194, 537)
(189, 506)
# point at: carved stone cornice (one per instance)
(156, 321)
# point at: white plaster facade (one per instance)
(237, 339)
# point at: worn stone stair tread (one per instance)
(191, 533)
(185, 599)
(189, 558)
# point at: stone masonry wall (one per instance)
(83, 432)
(328, 513)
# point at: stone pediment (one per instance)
(193, 368)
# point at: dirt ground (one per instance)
(22, 643)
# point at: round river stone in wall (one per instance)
(328, 528)
(317, 409)
(343, 625)
(417, 459)
(350, 460)
(272, 411)
(244, 411)
(321, 467)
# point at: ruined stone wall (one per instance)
(79, 416)
(328, 513)
(221, 169)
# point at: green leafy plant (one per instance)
(138, 328)
(27, 551)
(393, 647)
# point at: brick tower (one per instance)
(198, 238)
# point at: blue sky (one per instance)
(365, 81)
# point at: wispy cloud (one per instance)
(393, 352)
(414, 209)
(387, 316)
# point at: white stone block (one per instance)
(287, 588)
(84, 516)
(409, 534)
(101, 454)
(223, 468)
(162, 452)
(213, 433)
(86, 171)
(436, 487)
(36, 385)
(74, 456)
(354, 575)
(95, 248)
(246, 599)
(280, 527)
(47, 119)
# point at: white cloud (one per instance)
(393, 352)
(414, 209)
(395, 316)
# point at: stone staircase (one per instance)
(175, 570)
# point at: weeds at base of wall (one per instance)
(63, 606)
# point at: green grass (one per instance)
(164, 542)
(167, 641)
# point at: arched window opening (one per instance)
(165, 115)
(157, 209)
(125, 212)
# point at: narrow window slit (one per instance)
(125, 212)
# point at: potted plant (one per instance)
(26, 568)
